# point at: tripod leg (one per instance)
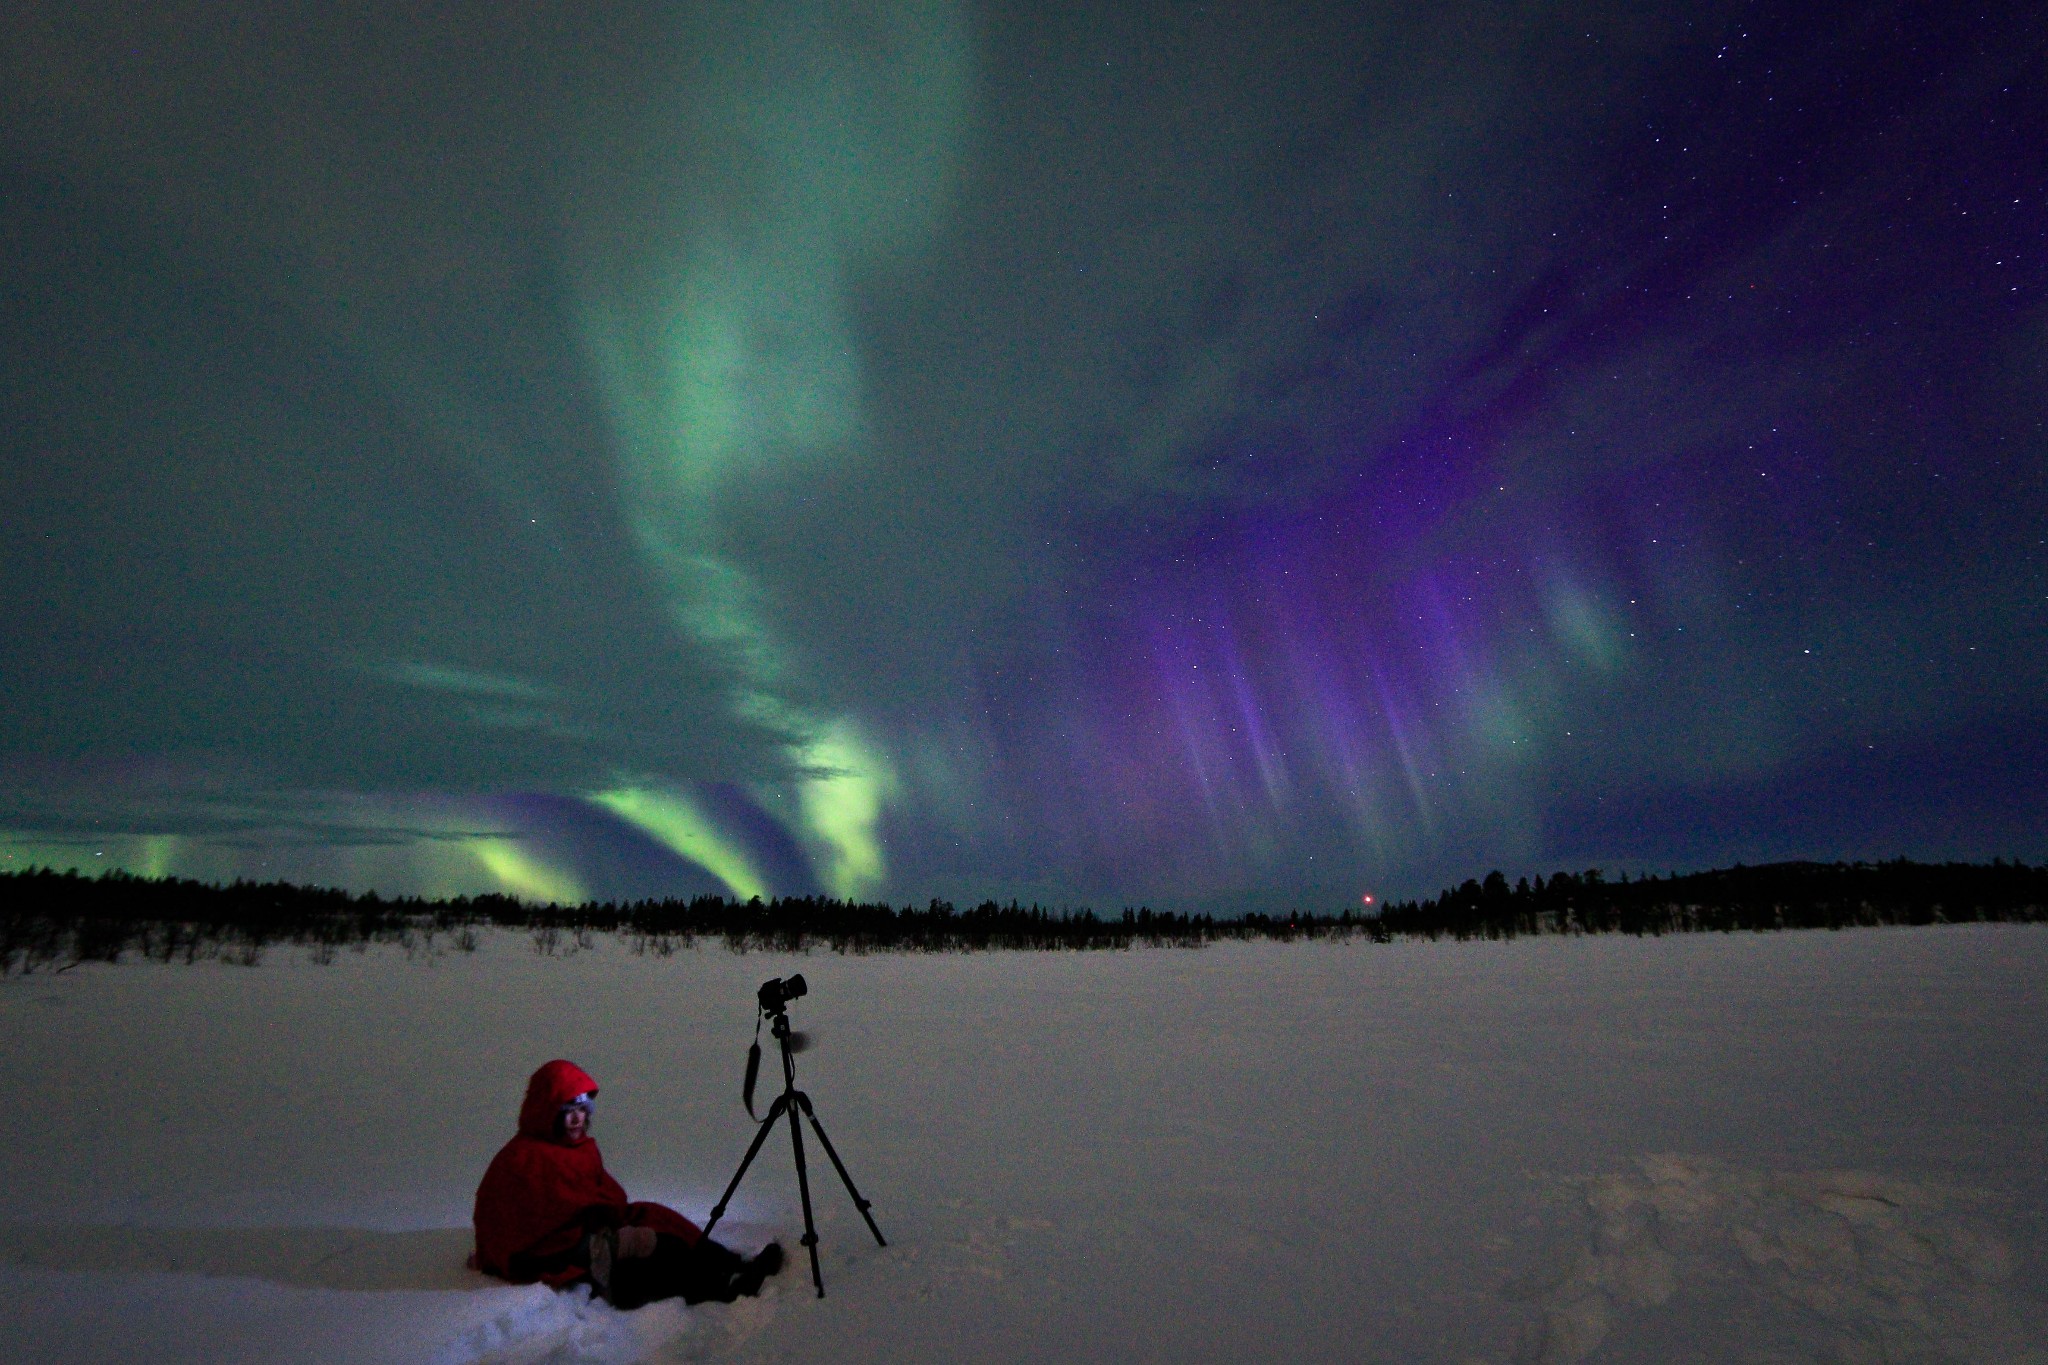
(760, 1136)
(803, 1185)
(840, 1166)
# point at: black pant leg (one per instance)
(675, 1270)
(708, 1272)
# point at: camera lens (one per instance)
(794, 987)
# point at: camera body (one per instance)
(778, 992)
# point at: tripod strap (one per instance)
(753, 1068)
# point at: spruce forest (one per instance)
(52, 920)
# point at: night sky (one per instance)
(1214, 456)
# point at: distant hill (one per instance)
(54, 919)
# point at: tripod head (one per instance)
(774, 997)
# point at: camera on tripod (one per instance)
(778, 992)
(774, 997)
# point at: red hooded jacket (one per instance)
(543, 1194)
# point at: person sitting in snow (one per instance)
(548, 1211)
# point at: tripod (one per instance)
(788, 1102)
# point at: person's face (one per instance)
(575, 1121)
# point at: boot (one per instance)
(753, 1272)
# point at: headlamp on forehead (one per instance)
(585, 1101)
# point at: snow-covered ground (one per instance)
(1828, 1147)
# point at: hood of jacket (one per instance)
(551, 1087)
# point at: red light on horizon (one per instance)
(1366, 899)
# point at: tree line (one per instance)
(52, 920)
(1792, 895)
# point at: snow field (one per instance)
(1827, 1147)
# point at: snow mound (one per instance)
(1689, 1252)
(542, 1327)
